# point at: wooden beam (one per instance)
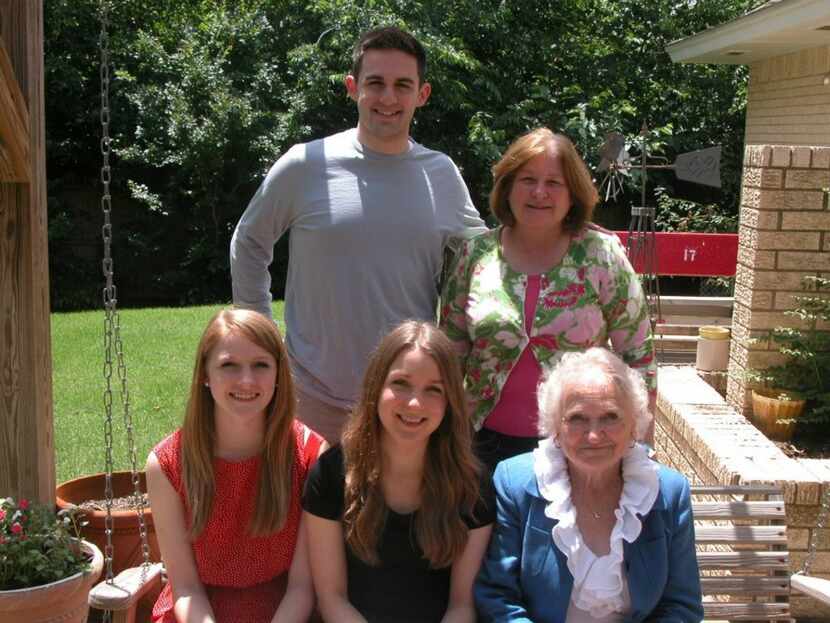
(27, 451)
(14, 125)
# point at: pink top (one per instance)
(515, 413)
(244, 576)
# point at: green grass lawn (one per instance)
(159, 346)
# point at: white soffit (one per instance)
(776, 28)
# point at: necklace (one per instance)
(606, 496)
(597, 515)
(594, 513)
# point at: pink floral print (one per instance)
(592, 298)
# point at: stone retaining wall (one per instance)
(700, 435)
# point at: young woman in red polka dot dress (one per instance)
(225, 488)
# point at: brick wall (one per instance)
(787, 100)
(784, 234)
(700, 435)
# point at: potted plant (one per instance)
(45, 571)
(87, 494)
(803, 379)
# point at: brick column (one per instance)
(784, 234)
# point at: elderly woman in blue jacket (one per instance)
(588, 527)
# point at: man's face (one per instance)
(387, 93)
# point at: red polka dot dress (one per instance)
(244, 576)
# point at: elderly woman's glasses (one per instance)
(578, 423)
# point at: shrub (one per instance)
(806, 372)
(37, 545)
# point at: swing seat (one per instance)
(127, 588)
(741, 539)
(817, 588)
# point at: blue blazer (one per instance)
(525, 577)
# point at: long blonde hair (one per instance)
(450, 485)
(199, 429)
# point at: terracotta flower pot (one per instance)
(768, 411)
(126, 537)
(64, 601)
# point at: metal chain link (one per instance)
(821, 521)
(138, 500)
(112, 326)
(109, 292)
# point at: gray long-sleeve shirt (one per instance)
(368, 232)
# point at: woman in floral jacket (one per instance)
(547, 281)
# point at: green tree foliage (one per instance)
(208, 93)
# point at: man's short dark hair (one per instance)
(389, 38)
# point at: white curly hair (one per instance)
(631, 389)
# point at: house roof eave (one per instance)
(773, 29)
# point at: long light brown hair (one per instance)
(584, 194)
(199, 428)
(450, 486)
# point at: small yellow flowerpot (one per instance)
(769, 407)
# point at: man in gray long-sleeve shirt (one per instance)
(370, 212)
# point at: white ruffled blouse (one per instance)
(600, 588)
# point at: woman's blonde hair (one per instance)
(584, 195)
(450, 487)
(199, 428)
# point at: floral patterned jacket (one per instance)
(591, 296)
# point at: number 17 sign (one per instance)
(686, 254)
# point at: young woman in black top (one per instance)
(397, 516)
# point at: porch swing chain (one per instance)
(112, 325)
(821, 521)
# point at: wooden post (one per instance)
(14, 125)
(27, 450)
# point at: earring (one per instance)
(207, 384)
(633, 442)
(556, 441)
